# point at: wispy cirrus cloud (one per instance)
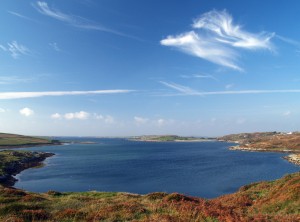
(187, 91)
(183, 89)
(199, 76)
(22, 95)
(15, 49)
(216, 38)
(76, 21)
(288, 40)
(5, 80)
(21, 16)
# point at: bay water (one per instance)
(204, 169)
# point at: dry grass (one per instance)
(266, 201)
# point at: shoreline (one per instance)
(177, 141)
(293, 157)
(28, 145)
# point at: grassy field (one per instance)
(266, 201)
(13, 140)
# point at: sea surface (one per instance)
(204, 169)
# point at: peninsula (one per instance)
(267, 142)
(169, 138)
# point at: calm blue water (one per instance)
(206, 169)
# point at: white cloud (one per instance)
(220, 23)
(15, 49)
(26, 112)
(2, 110)
(140, 120)
(287, 113)
(75, 21)
(215, 38)
(184, 90)
(82, 115)
(56, 116)
(22, 95)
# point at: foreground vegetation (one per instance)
(266, 201)
(13, 140)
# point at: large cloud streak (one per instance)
(216, 38)
(22, 95)
(187, 91)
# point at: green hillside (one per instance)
(13, 140)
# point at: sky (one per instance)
(126, 68)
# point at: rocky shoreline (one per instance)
(12, 168)
(293, 158)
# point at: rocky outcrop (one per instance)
(24, 161)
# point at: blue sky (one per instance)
(122, 68)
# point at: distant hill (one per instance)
(168, 138)
(14, 140)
